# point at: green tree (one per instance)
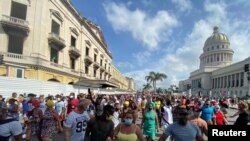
(153, 77)
(159, 90)
(146, 87)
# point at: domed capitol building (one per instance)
(217, 75)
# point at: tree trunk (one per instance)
(154, 87)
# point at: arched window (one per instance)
(54, 80)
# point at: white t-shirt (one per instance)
(116, 119)
(167, 115)
(13, 128)
(78, 124)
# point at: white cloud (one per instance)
(149, 30)
(179, 63)
(142, 57)
(183, 5)
(125, 65)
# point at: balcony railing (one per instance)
(88, 58)
(74, 51)
(15, 21)
(36, 61)
(12, 56)
(96, 64)
(56, 40)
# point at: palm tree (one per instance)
(153, 77)
(159, 90)
(147, 86)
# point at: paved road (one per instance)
(59, 137)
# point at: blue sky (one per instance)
(166, 36)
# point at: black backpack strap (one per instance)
(7, 121)
(2, 138)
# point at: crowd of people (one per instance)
(92, 117)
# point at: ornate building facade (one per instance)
(217, 75)
(49, 40)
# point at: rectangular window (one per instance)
(233, 80)
(19, 73)
(18, 10)
(86, 69)
(94, 72)
(73, 41)
(87, 51)
(225, 82)
(55, 28)
(15, 44)
(241, 79)
(212, 83)
(95, 57)
(72, 63)
(53, 55)
(105, 66)
(101, 62)
(100, 75)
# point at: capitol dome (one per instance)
(216, 50)
(216, 37)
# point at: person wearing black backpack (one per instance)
(10, 127)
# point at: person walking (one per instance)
(167, 116)
(128, 131)
(182, 130)
(207, 113)
(9, 127)
(33, 121)
(242, 114)
(76, 123)
(219, 117)
(150, 123)
(49, 121)
(100, 129)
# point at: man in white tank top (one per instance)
(167, 116)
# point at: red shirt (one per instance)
(72, 105)
(219, 117)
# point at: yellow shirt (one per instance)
(126, 137)
(157, 104)
(143, 104)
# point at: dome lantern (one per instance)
(216, 29)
